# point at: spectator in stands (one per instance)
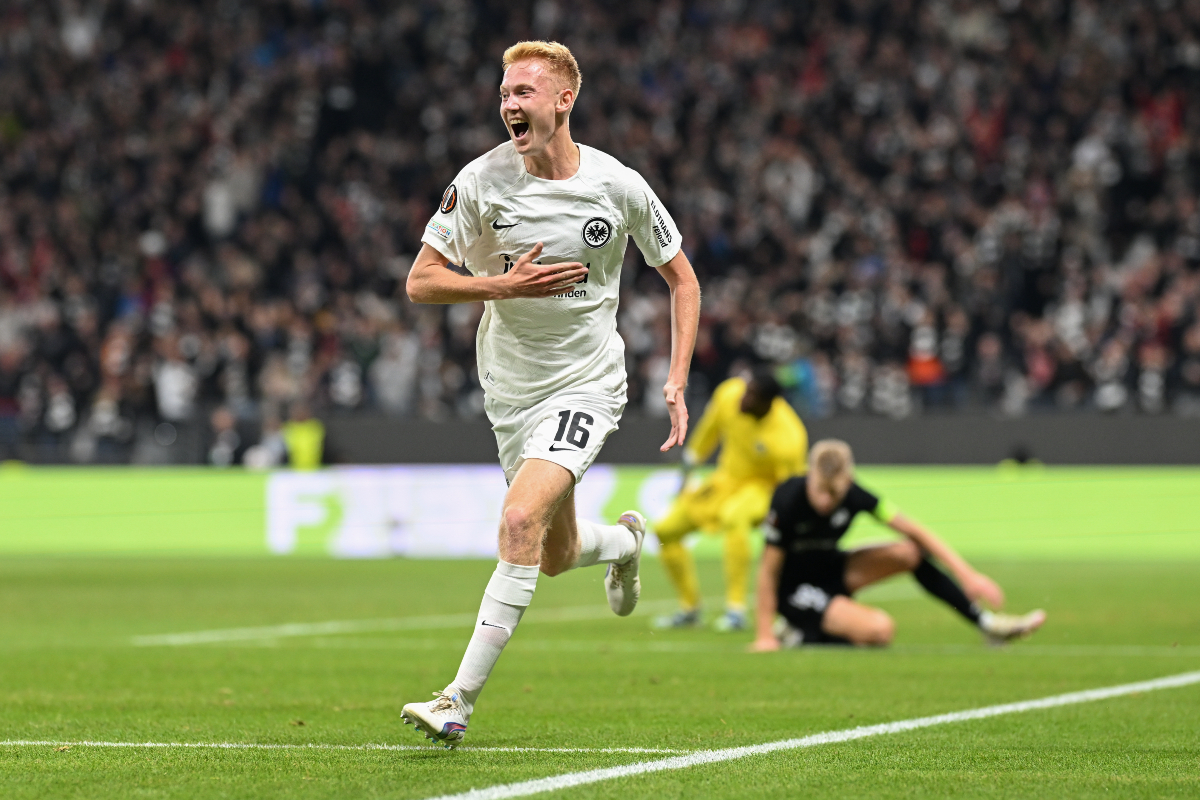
(908, 206)
(304, 437)
(226, 444)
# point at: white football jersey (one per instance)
(495, 211)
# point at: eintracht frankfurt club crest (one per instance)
(596, 232)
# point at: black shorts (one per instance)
(810, 580)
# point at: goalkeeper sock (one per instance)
(603, 544)
(505, 599)
(941, 586)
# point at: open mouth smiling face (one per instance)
(519, 126)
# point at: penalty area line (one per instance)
(319, 746)
(698, 758)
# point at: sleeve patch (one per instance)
(441, 230)
(449, 199)
(661, 230)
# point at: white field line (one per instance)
(431, 622)
(316, 746)
(570, 779)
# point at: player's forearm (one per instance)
(934, 546)
(765, 603)
(434, 283)
(685, 320)
(685, 314)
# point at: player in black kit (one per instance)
(806, 579)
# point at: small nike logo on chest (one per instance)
(496, 226)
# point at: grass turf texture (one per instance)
(69, 672)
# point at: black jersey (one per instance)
(794, 525)
(814, 569)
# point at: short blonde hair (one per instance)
(831, 459)
(557, 57)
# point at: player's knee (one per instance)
(733, 519)
(873, 628)
(909, 554)
(519, 521)
(668, 537)
(552, 568)
(670, 530)
(880, 630)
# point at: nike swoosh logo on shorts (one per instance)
(496, 226)
(554, 449)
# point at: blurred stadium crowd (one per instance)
(207, 209)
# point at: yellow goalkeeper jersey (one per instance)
(769, 449)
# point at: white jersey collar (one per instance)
(582, 160)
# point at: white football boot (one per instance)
(621, 582)
(1001, 628)
(444, 719)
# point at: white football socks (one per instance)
(505, 599)
(509, 593)
(603, 544)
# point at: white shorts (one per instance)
(567, 428)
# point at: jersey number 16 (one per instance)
(576, 433)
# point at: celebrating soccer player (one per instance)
(762, 442)
(541, 224)
(810, 582)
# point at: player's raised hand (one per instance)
(978, 586)
(530, 279)
(677, 409)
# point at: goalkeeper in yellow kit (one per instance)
(762, 443)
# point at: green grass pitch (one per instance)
(1113, 555)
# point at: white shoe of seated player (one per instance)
(1001, 628)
